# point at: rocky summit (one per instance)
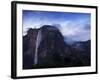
(45, 48)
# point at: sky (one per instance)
(73, 26)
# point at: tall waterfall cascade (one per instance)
(38, 40)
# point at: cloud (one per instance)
(73, 26)
(77, 30)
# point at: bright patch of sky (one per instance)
(75, 26)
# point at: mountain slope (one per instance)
(52, 51)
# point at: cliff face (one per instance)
(29, 44)
(51, 51)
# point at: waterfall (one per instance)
(38, 40)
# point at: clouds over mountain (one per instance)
(75, 26)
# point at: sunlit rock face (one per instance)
(45, 47)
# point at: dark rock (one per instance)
(52, 50)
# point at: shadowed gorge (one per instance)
(45, 47)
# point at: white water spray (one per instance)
(38, 40)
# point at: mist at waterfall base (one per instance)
(56, 39)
